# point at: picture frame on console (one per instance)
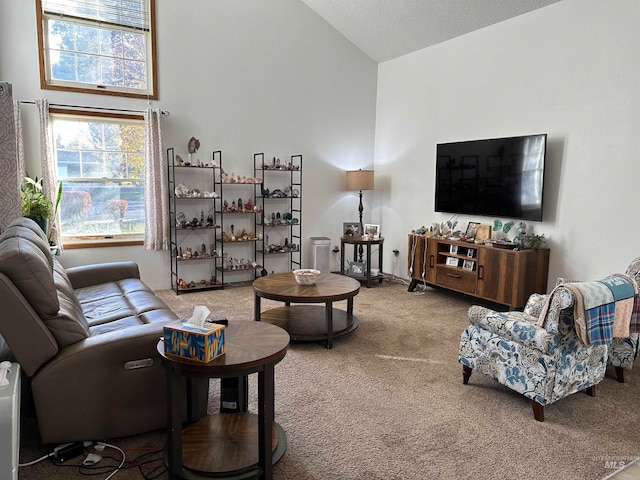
(469, 265)
(452, 261)
(357, 268)
(372, 230)
(472, 229)
(350, 229)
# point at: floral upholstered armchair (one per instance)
(539, 352)
(543, 363)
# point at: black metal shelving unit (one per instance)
(230, 213)
(280, 196)
(189, 258)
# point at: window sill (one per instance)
(71, 243)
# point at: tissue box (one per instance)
(194, 343)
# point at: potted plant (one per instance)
(35, 205)
(534, 242)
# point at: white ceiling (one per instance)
(386, 29)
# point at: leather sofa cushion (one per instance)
(125, 303)
(26, 259)
(29, 230)
(69, 325)
(29, 269)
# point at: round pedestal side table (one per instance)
(227, 445)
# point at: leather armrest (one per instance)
(102, 353)
(87, 275)
(91, 391)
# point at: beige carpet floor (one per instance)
(387, 402)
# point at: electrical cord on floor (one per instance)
(33, 462)
(124, 457)
(150, 463)
(143, 462)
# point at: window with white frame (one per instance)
(101, 162)
(98, 46)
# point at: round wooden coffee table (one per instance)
(308, 322)
(230, 445)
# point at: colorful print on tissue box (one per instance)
(201, 344)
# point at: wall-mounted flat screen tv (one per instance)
(499, 177)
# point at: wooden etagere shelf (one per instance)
(506, 277)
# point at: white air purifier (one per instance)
(9, 420)
(320, 253)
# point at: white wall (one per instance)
(244, 77)
(272, 76)
(570, 70)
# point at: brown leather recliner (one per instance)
(86, 337)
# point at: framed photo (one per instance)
(452, 261)
(471, 252)
(351, 229)
(469, 265)
(453, 248)
(483, 232)
(371, 229)
(357, 268)
(472, 230)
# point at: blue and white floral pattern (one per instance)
(537, 352)
(543, 363)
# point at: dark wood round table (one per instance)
(308, 322)
(235, 445)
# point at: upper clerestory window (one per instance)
(98, 46)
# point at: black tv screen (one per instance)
(499, 177)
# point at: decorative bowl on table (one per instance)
(306, 276)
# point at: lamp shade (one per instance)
(360, 180)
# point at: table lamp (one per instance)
(360, 180)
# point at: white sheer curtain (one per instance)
(156, 198)
(49, 177)
(9, 179)
(17, 116)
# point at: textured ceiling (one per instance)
(386, 29)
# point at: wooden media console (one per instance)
(504, 276)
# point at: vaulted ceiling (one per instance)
(386, 29)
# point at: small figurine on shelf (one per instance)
(209, 220)
(192, 147)
(181, 220)
(521, 234)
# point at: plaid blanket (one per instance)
(604, 309)
(593, 312)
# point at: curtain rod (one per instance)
(30, 102)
